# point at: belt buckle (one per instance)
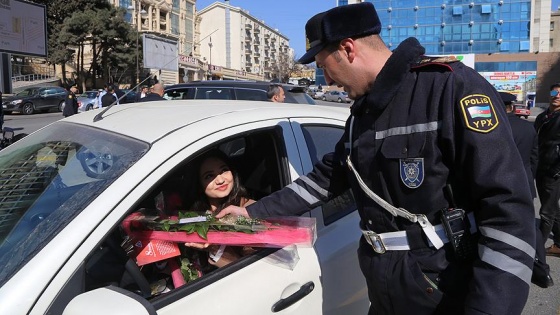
(375, 241)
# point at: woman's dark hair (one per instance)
(237, 193)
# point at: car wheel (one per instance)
(339, 100)
(27, 109)
(324, 99)
(89, 107)
(526, 117)
(61, 106)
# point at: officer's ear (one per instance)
(347, 47)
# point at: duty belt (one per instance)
(383, 242)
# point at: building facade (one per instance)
(238, 45)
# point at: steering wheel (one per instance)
(97, 160)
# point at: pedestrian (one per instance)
(109, 98)
(98, 96)
(143, 92)
(427, 153)
(276, 93)
(102, 93)
(155, 95)
(525, 138)
(547, 125)
(71, 102)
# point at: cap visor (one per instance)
(309, 56)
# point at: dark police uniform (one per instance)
(70, 104)
(547, 125)
(425, 124)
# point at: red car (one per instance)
(522, 111)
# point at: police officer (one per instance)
(525, 138)
(425, 137)
(71, 102)
(547, 125)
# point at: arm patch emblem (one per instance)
(478, 113)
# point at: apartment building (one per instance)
(238, 45)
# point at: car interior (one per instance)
(257, 157)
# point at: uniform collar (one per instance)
(390, 77)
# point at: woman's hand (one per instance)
(234, 211)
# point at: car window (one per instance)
(182, 93)
(320, 141)
(250, 94)
(48, 178)
(217, 93)
(257, 158)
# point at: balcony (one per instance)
(257, 30)
(257, 54)
(267, 35)
(248, 51)
(248, 39)
(248, 64)
(248, 26)
(273, 39)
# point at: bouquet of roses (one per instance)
(192, 227)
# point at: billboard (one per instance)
(160, 53)
(510, 81)
(23, 28)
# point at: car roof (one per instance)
(164, 117)
(235, 83)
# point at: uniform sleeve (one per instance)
(326, 181)
(498, 194)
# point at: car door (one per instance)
(41, 99)
(254, 285)
(344, 287)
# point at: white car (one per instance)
(67, 188)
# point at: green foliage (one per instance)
(188, 270)
(72, 25)
(239, 224)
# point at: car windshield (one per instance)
(48, 178)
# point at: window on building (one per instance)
(457, 10)
(486, 9)
(524, 45)
(552, 25)
(551, 43)
(342, 2)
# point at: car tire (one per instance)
(89, 107)
(339, 100)
(61, 106)
(324, 99)
(27, 109)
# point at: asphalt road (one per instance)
(541, 301)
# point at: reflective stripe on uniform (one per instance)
(314, 185)
(505, 263)
(303, 193)
(508, 239)
(406, 130)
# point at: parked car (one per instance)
(61, 236)
(234, 90)
(336, 96)
(129, 96)
(87, 101)
(35, 99)
(522, 111)
(315, 93)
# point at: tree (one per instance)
(75, 24)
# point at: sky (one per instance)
(288, 16)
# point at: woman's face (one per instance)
(216, 179)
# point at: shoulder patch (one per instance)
(478, 113)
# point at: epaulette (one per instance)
(441, 61)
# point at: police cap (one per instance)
(336, 24)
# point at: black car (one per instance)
(234, 90)
(35, 99)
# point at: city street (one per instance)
(541, 301)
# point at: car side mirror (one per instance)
(109, 300)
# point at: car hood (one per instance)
(14, 97)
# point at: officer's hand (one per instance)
(233, 210)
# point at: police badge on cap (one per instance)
(336, 24)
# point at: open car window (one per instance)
(258, 158)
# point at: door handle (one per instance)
(298, 295)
